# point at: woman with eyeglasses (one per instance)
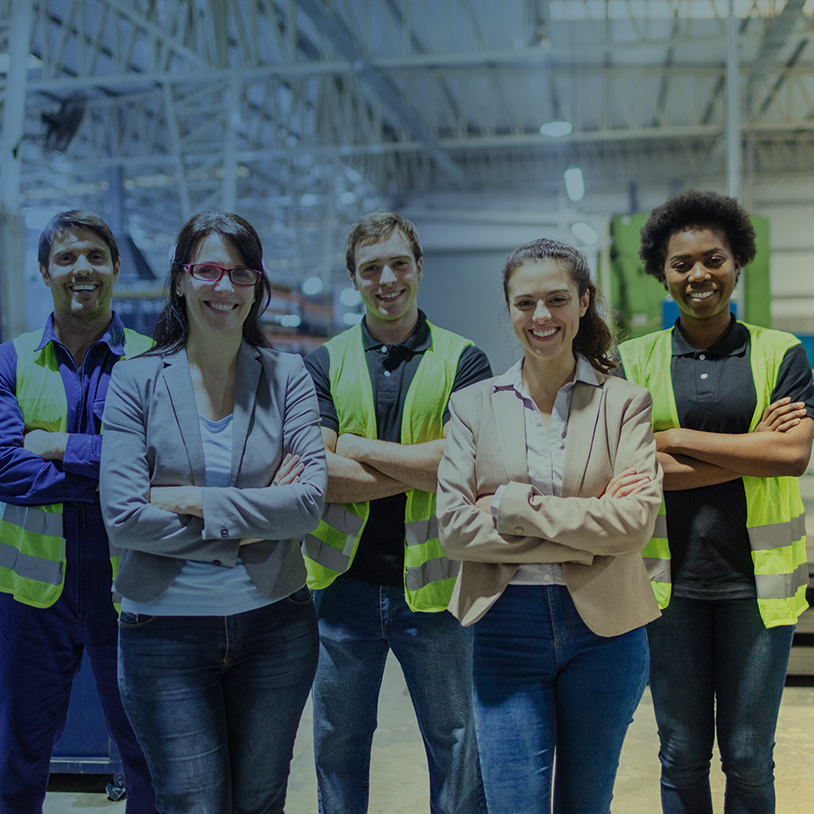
(213, 468)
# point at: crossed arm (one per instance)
(362, 469)
(779, 446)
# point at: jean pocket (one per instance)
(302, 596)
(133, 620)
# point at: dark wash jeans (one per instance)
(714, 665)
(546, 685)
(216, 701)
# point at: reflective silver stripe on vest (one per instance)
(28, 567)
(342, 520)
(327, 556)
(417, 532)
(658, 570)
(33, 520)
(431, 571)
(660, 529)
(781, 586)
(776, 535)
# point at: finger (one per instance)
(293, 476)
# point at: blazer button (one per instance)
(224, 532)
(215, 562)
(518, 529)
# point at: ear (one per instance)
(354, 280)
(117, 267)
(45, 276)
(420, 266)
(584, 301)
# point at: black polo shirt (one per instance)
(380, 556)
(715, 392)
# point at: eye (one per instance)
(557, 301)
(523, 304)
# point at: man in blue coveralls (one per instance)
(55, 563)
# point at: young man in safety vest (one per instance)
(56, 568)
(381, 578)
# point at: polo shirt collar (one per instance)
(113, 336)
(419, 340)
(732, 343)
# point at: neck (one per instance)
(544, 377)
(77, 335)
(213, 354)
(703, 334)
(394, 332)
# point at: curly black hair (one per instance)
(696, 209)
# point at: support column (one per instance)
(12, 226)
(733, 106)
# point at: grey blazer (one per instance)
(152, 438)
(597, 539)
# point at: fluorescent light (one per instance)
(308, 199)
(574, 184)
(313, 285)
(349, 296)
(347, 197)
(290, 320)
(585, 233)
(556, 129)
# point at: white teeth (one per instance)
(83, 287)
(221, 306)
(544, 334)
(701, 295)
(390, 296)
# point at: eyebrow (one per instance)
(546, 294)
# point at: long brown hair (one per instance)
(594, 339)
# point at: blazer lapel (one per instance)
(511, 433)
(182, 396)
(247, 378)
(586, 405)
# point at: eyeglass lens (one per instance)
(210, 273)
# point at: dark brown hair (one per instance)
(593, 340)
(375, 227)
(694, 209)
(74, 219)
(172, 328)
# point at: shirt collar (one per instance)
(732, 343)
(113, 336)
(418, 341)
(512, 379)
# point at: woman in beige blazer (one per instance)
(547, 493)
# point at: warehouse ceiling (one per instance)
(302, 114)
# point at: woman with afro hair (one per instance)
(732, 414)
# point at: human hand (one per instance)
(484, 503)
(289, 471)
(178, 499)
(781, 416)
(50, 446)
(627, 482)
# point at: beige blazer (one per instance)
(597, 539)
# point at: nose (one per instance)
(82, 265)
(541, 312)
(225, 283)
(699, 271)
(387, 277)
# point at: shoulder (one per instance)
(140, 370)
(8, 363)
(280, 364)
(778, 340)
(622, 392)
(474, 397)
(318, 361)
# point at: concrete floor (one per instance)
(399, 773)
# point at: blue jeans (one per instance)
(41, 651)
(216, 702)
(546, 686)
(358, 623)
(708, 656)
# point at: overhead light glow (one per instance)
(585, 233)
(556, 129)
(350, 318)
(290, 320)
(309, 199)
(574, 184)
(349, 296)
(347, 197)
(313, 285)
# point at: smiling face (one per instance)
(700, 272)
(545, 308)
(215, 308)
(386, 277)
(81, 274)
